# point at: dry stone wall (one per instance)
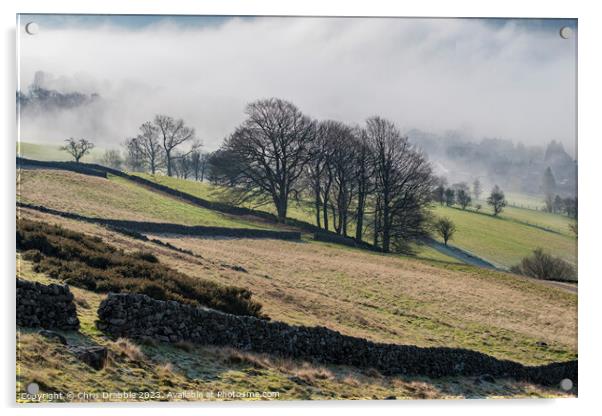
(139, 316)
(45, 306)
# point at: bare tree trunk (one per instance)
(168, 162)
(318, 204)
(361, 202)
(376, 221)
(282, 207)
(325, 214)
(203, 166)
(386, 228)
(335, 223)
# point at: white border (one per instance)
(589, 184)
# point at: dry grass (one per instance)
(171, 368)
(383, 298)
(127, 348)
(115, 198)
(399, 300)
(81, 302)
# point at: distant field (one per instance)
(505, 241)
(115, 198)
(525, 201)
(555, 222)
(50, 152)
(532, 216)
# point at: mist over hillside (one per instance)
(515, 167)
(41, 97)
(54, 108)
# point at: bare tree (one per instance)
(439, 191)
(497, 200)
(269, 152)
(463, 195)
(172, 134)
(182, 166)
(319, 172)
(199, 161)
(570, 207)
(404, 183)
(364, 165)
(558, 204)
(445, 228)
(149, 146)
(112, 158)
(344, 172)
(134, 160)
(224, 168)
(450, 197)
(77, 148)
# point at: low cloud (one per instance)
(507, 80)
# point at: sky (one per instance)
(505, 78)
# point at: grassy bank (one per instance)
(115, 198)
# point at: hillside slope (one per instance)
(115, 198)
(216, 373)
(504, 241)
(381, 297)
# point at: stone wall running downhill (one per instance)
(46, 306)
(149, 227)
(82, 168)
(99, 170)
(139, 316)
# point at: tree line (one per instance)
(460, 194)
(164, 144)
(167, 145)
(554, 202)
(365, 182)
(350, 173)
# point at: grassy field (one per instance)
(380, 297)
(115, 198)
(39, 151)
(301, 210)
(546, 220)
(524, 201)
(507, 239)
(503, 241)
(169, 369)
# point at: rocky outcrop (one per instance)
(93, 355)
(139, 316)
(45, 306)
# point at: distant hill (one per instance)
(515, 167)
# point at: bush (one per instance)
(146, 256)
(88, 262)
(541, 265)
